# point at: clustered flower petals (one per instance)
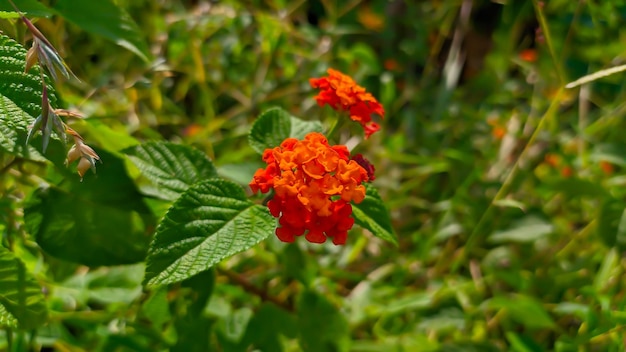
(314, 184)
(342, 93)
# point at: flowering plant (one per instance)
(314, 186)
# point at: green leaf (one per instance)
(268, 325)
(172, 167)
(156, 308)
(104, 18)
(14, 124)
(30, 8)
(612, 223)
(21, 299)
(275, 125)
(372, 215)
(211, 221)
(322, 327)
(23, 89)
(524, 310)
(115, 284)
(106, 137)
(20, 99)
(611, 152)
(233, 327)
(6, 319)
(575, 187)
(241, 173)
(522, 343)
(100, 221)
(528, 229)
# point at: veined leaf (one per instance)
(372, 215)
(20, 99)
(211, 221)
(21, 302)
(100, 221)
(173, 168)
(275, 125)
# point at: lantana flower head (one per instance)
(314, 184)
(342, 93)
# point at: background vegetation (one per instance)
(506, 189)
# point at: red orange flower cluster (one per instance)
(314, 184)
(342, 93)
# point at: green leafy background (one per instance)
(496, 220)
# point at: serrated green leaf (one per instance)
(20, 295)
(104, 18)
(9, 14)
(6, 319)
(14, 129)
(372, 215)
(173, 168)
(20, 99)
(275, 125)
(23, 89)
(211, 221)
(100, 221)
(322, 327)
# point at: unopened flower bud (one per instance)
(83, 165)
(72, 155)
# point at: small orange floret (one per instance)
(552, 159)
(607, 167)
(529, 55)
(342, 93)
(567, 172)
(498, 132)
(314, 184)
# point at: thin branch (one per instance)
(251, 288)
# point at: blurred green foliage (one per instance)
(506, 190)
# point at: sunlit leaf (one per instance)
(20, 99)
(275, 125)
(372, 215)
(173, 168)
(211, 221)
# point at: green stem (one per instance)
(9, 333)
(339, 122)
(480, 228)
